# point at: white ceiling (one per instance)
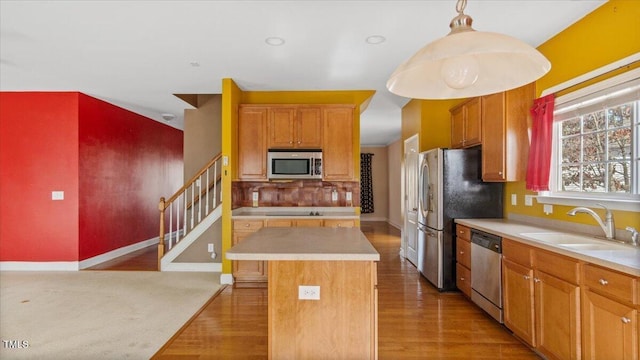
(136, 54)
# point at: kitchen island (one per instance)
(322, 296)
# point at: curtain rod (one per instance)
(629, 60)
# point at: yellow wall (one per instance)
(608, 34)
(231, 96)
(430, 119)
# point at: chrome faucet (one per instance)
(634, 235)
(607, 226)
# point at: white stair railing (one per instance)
(183, 211)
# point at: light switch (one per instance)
(57, 195)
(254, 198)
(514, 199)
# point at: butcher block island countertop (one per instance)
(337, 267)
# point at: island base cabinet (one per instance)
(342, 324)
(610, 329)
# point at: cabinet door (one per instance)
(517, 283)
(472, 123)
(493, 144)
(247, 270)
(252, 143)
(609, 328)
(308, 129)
(557, 304)
(281, 127)
(457, 127)
(337, 149)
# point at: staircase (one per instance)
(189, 212)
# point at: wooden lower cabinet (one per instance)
(246, 271)
(542, 309)
(463, 259)
(610, 307)
(557, 309)
(518, 302)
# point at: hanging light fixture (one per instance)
(467, 63)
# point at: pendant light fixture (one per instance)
(467, 63)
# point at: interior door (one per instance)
(410, 189)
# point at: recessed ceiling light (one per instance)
(194, 63)
(168, 117)
(376, 39)
(274, 41)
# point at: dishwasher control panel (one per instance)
(487, 241)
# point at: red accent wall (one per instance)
(112, 164)
(127, 162)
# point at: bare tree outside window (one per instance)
(596, 150)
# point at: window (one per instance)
(596, 146)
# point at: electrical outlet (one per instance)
(334, 196)
(210, 248)
(348, 196)
(547, 209)
(57, 195)
(528, 200)
(514, 199)
(308, 292)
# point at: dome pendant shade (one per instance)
(468, 63)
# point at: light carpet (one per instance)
(96, 314)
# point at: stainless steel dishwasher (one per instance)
(486, 272)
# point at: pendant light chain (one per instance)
(460, 5)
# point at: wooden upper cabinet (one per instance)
(505, 140)
(337, 145)
(252, 143)
(295, 127)
(466, 130)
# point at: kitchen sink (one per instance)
(560, 238)
(590, 246)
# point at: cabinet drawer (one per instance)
(248, 225)
(611, 283)
(463, 232)
(463, 252)
(463, 279)
(517, 252)
(278, 223)
(557, 265)
(340, 223)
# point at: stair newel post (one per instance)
(161, 207)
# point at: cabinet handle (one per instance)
(461, 231)
(461, 252)
(526, 277)
(246, 225)
(461, 279)
(603, 282)
(625, 320)
(536, 280)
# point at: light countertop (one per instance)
(624, 258)
(295, 213)
(297, 243)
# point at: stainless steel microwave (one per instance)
(294, 164)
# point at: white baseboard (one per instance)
(98, 259)
(39, 266)
(74, 265)
(226, 279)
(195, 267)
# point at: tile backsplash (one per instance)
(295, 193)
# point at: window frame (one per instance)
(628, 202)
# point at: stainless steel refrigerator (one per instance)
(450, 187)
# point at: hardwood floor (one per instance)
(415, 320)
